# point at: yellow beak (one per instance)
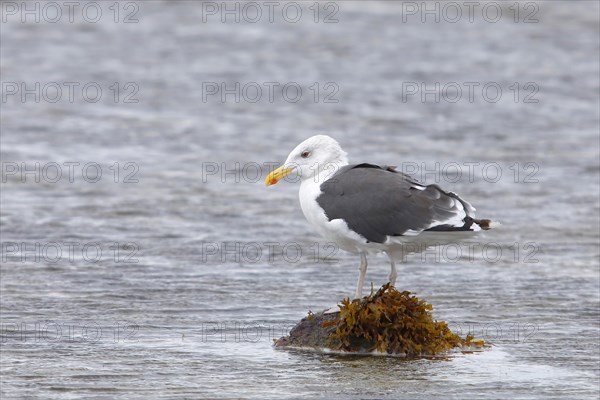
(276, 175)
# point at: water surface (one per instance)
(198, 271)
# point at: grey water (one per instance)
(143, 256)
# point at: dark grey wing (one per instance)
(378, 202)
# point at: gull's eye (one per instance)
(305, 154)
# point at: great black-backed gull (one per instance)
(367, 208)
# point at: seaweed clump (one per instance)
(393, 322)
(387, 321)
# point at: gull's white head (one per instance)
(316, 154)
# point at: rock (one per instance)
(312, 331)
(387, 322)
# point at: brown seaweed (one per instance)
(386, 321)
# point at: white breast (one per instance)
(336, 230)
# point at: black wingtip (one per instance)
(485, 224)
